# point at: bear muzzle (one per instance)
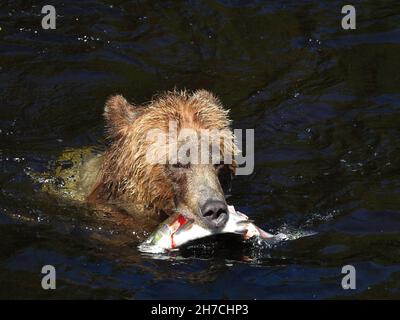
(215, 213)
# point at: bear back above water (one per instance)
(121, 179)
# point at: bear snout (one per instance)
(215, 213)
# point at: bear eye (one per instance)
(179, 165)
(218, 166)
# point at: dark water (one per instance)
(324, 104)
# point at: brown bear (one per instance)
(128, 181)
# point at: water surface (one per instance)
(324, 103)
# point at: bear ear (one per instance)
(119, 114)
(205, 95)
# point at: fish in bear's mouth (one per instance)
(179, 229)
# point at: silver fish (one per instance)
(177, 230)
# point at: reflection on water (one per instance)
(324, 106)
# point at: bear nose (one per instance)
(215, 212)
